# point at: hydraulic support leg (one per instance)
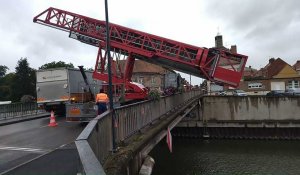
(129, 67)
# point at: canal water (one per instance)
(227, 157)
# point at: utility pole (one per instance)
(111, 104)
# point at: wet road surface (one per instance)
(23, 142)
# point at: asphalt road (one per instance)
(32, 147)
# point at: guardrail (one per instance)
(14, 110)
(132, 118)
(95, 142)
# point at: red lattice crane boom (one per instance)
(218, 65)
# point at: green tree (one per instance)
(3, 70)
(89, 69)
(56, 65)
(4, 84)
(5, 87)
(24, 81)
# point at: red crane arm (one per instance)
(217, 65)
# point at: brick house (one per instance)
(296, 66)
(152, 76)
(276, 75)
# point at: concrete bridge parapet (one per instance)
(244, 117)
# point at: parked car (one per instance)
(291, 92)
(275, 93)
(222, 93)
(238, 92)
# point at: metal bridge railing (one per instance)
(97, 136)
(15, 110)
(132, 118)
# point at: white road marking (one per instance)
(23, 149)
(44, 126)
(62, 145)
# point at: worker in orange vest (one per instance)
(101, 101)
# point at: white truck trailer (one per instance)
(59, 87)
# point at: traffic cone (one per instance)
(52, 120)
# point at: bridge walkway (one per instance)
(138, 129)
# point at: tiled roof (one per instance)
(272, 68)
(296, 66)
(144, 67)
(249, 72)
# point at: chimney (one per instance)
(233, 49)
(251, 71)
(271, 60)
(218, 41)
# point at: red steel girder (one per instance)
(121, 37)
(203, 62)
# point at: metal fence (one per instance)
(97, 136)
(131, 119)
(14, 110)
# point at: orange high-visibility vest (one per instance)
(101, 97)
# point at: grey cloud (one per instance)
(259, 28)
(254, 16)
(269, 28)
(38, 43)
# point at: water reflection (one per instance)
(214, 157)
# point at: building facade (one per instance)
(277, 75)
(152, 76)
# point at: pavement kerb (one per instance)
(23, 119)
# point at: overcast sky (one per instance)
(260, 29)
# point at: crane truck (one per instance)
(60, 86)
(218, 65)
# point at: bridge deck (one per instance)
(142, 142)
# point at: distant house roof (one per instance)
(249, 72)
(273, 68)
(145, 67)
(296, 66)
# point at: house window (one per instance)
(254, 85)
(293, 84)
(153, 80)
(141, 80)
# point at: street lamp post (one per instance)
(111, 107)
(190, 82)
